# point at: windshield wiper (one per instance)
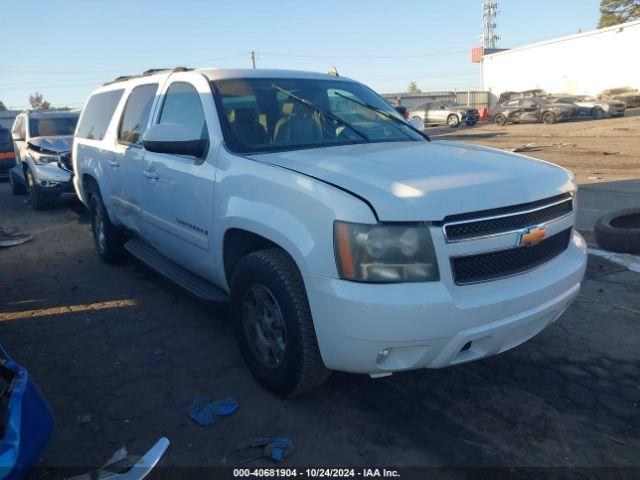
(386, 114)
(321, 111)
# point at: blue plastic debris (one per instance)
(158, 352)
(203, 412)
(275, 448)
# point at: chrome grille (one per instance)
(510, 219)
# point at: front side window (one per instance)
(260, 114)
(136, 114)
(52, 126)
(97, 115)
(182, 105)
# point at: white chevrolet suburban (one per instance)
(343, 237)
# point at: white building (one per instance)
(585, 63)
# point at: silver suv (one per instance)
(444, 112)
(42, 143)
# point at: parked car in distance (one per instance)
(628, 95)
(26, 420)
(445, 112)
(591, 106)
(402, 110)
(506, 96)
(7, 156)
(343, 237)
(532, 109)
(42, 143)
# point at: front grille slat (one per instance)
(503, 224)
(504, 263)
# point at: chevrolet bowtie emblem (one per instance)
(531, 237)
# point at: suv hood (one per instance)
(57, 144)
(420, 181)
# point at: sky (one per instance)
(66, 48)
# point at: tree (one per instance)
(413, 88)
(614, 12)
(38, 102)
(2, 107)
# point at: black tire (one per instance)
(301, 367)
(37, 202)
(108, 239)
(597, 113)
(500, 120)
(548, 118)
(471, 124)
(17, 188)
(453, 120)
(619, 231)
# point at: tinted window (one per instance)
(97, 115)
(136, 114)
(182, 106)
(52, 126)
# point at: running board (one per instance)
(198, 286)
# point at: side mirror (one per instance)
(416, 123)
(174, 139)
(17, 137)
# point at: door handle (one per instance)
(114, 163)
(151, 174)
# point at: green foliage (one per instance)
(38, 102)
(2, 107)
(614, 12)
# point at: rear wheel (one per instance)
(273, 324)
(597, 113)
(500, 120)
(17, 188)
(453, 120)
(108, 239)
(37, 202)
(549, 118)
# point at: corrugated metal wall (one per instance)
(475, 98)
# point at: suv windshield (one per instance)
(52, 126)
(260, 115)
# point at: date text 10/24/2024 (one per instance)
(316, 473)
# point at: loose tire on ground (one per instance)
(619, 231)
(108, 239)
(300, 368)
(17, 188)
(471, 124)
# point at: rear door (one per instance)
(128, 184)
(178, 210)
(530, 110)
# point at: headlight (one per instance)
(384, 253)
(40, 159)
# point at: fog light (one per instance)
(382, 354)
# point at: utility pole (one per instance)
(253, 59)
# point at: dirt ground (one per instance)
(120, 353)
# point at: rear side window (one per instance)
(97, 115)
(182, 105)
(136, 114)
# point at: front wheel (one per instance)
(548, 118)
(273, 324)
(108, 239)
(37, 202)
(453, 121)
(597, 113)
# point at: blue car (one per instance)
(26, 421)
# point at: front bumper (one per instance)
(52, 182)
(434, 325)
(29, 422)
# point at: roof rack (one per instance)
(146, 73)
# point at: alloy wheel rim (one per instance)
(98, 229)
(264, 327)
